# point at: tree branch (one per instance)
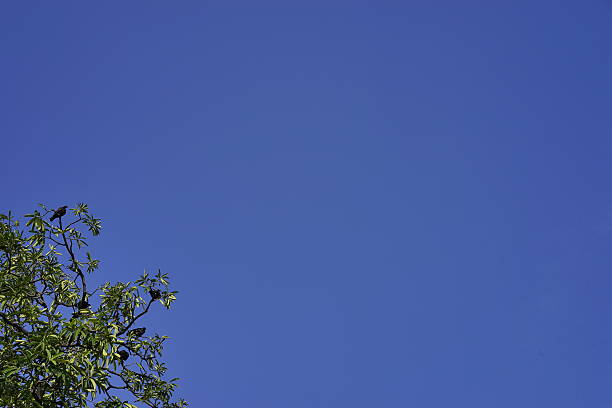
(74, 262)
(137, 317)
(14, 325)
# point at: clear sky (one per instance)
(362, 203)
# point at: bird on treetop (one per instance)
(59, 213)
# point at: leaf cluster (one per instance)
(63, 344)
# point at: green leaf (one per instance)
(8, 371)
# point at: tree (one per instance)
(63, 344)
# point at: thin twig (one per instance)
(137, 317)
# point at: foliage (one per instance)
(56, 348)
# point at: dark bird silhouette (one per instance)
(137, 332)
(83, 304)
(155, 294)
(59, 213)
(123, 355)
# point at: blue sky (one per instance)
(362, 204)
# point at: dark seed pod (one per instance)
(123, 355)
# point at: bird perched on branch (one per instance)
(59, 213)
(123, 355)
(137, 332)
(83, 304)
